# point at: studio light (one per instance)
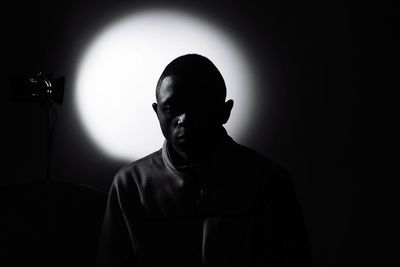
(39, 88)
(46, 91)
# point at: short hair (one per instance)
(192, 67)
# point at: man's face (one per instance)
(189, 114)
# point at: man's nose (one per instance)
(189, 119)
(182, 119)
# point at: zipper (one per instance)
(199, 221)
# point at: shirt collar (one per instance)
(186, 170)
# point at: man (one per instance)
(203, 199)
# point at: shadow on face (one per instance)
(191, 112)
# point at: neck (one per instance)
(181, 158)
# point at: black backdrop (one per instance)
(311, 52)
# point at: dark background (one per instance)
(309, 53)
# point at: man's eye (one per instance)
(172, 108)
(168, 108)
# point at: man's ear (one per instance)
(154, 105)
(227, 111)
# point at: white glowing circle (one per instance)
(116, 79)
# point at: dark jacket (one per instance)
(236, 209)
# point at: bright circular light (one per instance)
(116, 79)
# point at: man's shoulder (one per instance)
(139, 168)
(250, 158)
(143, 163)
(255, 174)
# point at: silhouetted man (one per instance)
(203, 199)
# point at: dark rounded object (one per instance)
(50, 224)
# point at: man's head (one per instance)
(191, 105)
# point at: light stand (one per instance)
(41, 88)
